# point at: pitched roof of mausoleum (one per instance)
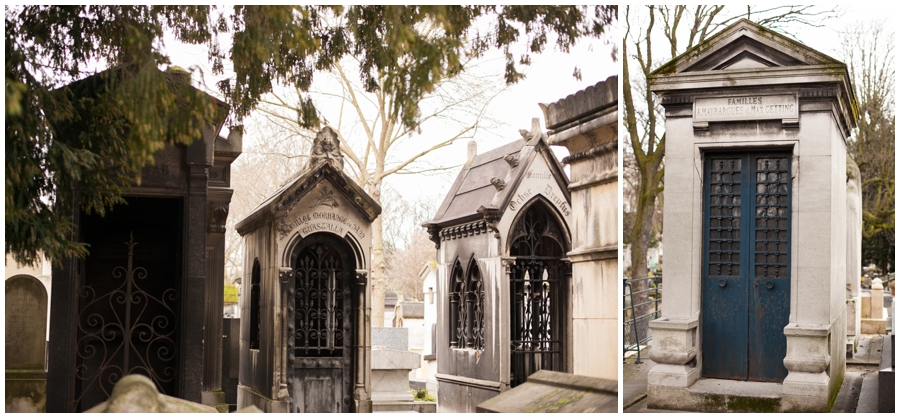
(749, 56)
(745, 45)
(322, 166)
(488, 181)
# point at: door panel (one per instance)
(746, 265)
(770, 295)
(322, 337)
(724, 282)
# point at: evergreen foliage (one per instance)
(73, 146)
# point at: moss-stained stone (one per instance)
(742, 404)
(547, 392)
(26, 391)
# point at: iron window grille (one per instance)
(467, 307)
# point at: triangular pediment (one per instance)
(745, 46)
(284, 200)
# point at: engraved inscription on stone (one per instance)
(26, 323)
(757, 107)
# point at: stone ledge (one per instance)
(468, 381)
(675, 324)
(806, 330)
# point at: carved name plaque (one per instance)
(320, 221)
(759, 107)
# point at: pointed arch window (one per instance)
(466, 307)
(538, 294)
(254, 306)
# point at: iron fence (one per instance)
(646, 302)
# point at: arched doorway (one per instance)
(538, 293)
(320, 340)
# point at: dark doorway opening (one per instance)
(130, 298)
(538, 294)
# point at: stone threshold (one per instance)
(738, 395)
(720, 395)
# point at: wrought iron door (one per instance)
(538, 281)
(322, 338)
(128, 305)
(746, 266)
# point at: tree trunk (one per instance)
(640, 240)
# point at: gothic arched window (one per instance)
(475, 307)
(457, 313)
(466, 307)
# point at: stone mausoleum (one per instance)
(503, 281)
(148, 298)
(756, 203)
(305, 331)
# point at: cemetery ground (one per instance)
(859, 391)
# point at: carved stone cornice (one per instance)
(433, 234)
(464, 230)
(491, 217)
(590, 152)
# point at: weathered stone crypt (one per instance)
(305, 332)
(504, 297)
(148, 298)
(755, 214)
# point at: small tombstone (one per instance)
(26, 323)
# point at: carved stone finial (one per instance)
(326, 147)
(525, 134)
(535, 130)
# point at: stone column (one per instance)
(217, 214)
(854, 253)
(585, 123)
(362, 390)
(193, 312)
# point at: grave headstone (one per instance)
(26, 324)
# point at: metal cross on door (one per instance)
(746, 265)
(322, 337)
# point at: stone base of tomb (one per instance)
(717, 395)
(247, 397)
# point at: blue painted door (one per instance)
(746, 265)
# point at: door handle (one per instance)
(770, 285)
(723, 283)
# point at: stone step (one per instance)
(721, 395)
(418, 407)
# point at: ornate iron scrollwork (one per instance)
(467, 308)
(127, 330)
(537, 295)
(320, 309)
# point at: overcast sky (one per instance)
(549, 78)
